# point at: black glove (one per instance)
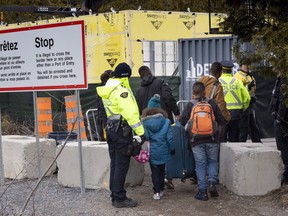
(172, 152)
(250, 85)
(143, 139)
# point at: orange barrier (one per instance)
(44, 115)
(71, 114)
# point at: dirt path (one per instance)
(54, 199)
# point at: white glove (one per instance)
(137, 138)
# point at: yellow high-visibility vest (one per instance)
(246, 80)
(119, 102)
(236, 95)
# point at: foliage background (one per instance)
(166, 5)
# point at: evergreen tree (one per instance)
(265, 25)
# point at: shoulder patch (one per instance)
(124, 95)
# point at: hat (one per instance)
(122, 70)
(227, 66)
(154, 101)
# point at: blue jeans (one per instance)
(206, 158)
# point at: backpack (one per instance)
(202, 121)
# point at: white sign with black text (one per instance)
(44, 57)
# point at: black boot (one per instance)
(201, 195)
(212, 190)
(127, 203)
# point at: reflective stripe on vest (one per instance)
(238, 103)
(114, 117)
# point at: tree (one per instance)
(265, 25)
(162, 5)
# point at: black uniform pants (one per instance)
(248, 126)
(233, 130)
(281, 135)
(119, 162)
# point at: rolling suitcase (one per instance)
(182, 164)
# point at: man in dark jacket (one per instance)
(279, 110)
(150, 85)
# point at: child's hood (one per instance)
(154, 118)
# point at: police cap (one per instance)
(122, 70)
(227, 66)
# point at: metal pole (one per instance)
(1, 152)
(37, 132)
(82, 180)
(209, 11)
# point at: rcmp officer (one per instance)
(123, 120)
(248, 122)
(236, 97)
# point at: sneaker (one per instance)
(157, 196)
(213, 191)
(128, 203)
(169, 184)
(161, 193)
(201, 195)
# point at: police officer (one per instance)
(248, 122)
(123, 120)
(236, 97)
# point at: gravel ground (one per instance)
(54, 199)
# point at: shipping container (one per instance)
(195, 57)
(197, 54)
(136, 37)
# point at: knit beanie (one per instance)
(154, 101)
(122, 70)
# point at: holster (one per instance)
(127, 130)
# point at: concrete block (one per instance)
(271, 142)
(96, 166)
(249, 169)
(20, 156)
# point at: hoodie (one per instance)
(218, 96)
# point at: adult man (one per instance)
(214, 89)
(122, 119)
(280, 112)
(248, 121)
(237, 99)
(150, 85)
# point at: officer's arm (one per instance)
(246, 97)
(129, 110)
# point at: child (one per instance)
(158, 132)
(205, 149)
